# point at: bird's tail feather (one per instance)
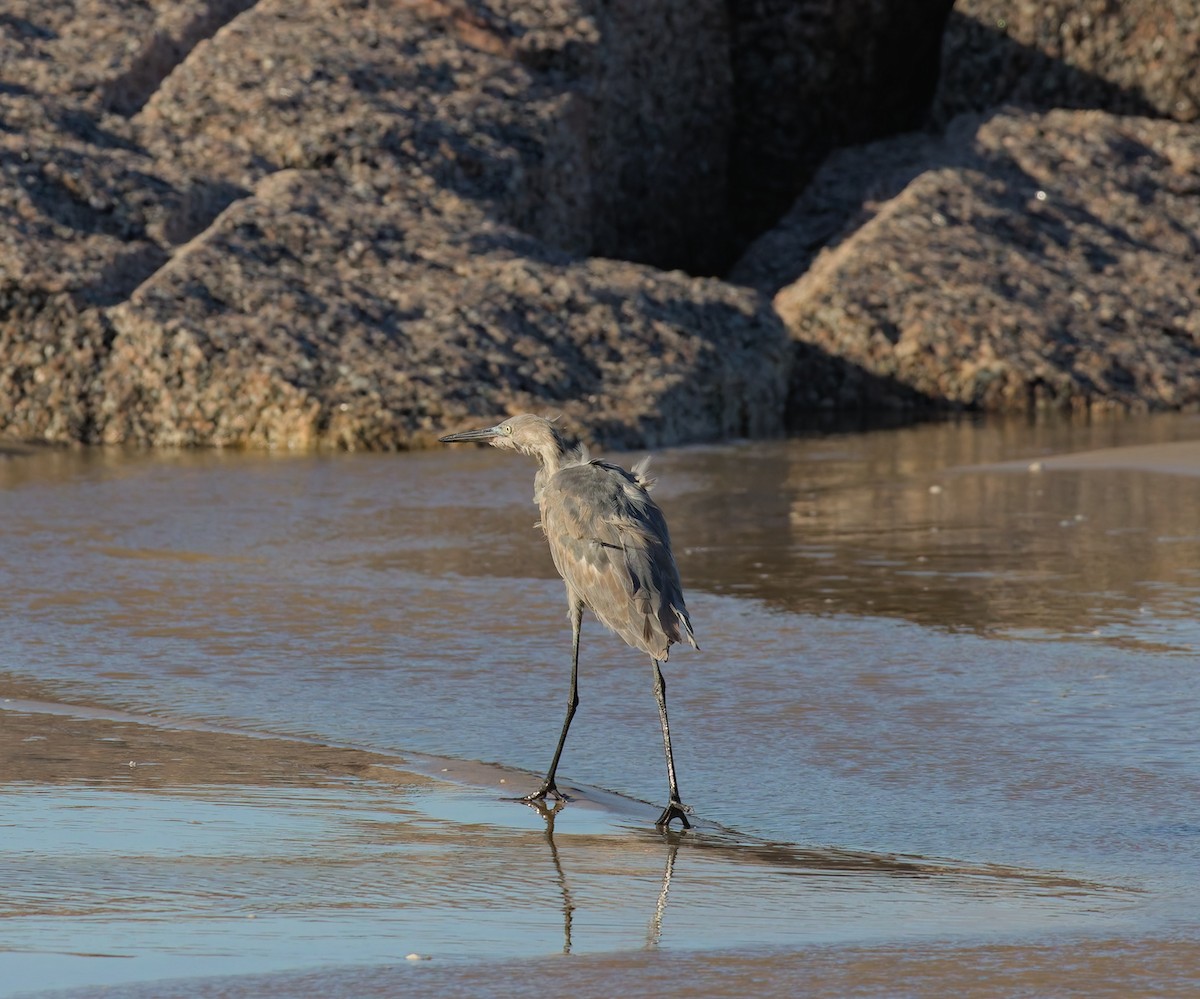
(686, 628)
(641, 474)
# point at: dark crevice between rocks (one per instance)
(198, 208)
(163, 51)
(810, 77)
(96, 196)
(826, 390)
(118, 280)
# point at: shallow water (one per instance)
(262, 713)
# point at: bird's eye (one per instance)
(506, 430)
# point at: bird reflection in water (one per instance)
(868, 872)
(548, 814)
(654, 930)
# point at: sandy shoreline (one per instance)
(941, 735)
(76, 756)
(1093, 968)
(49, 743)
(1172, 458)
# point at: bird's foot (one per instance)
(675, 810)
(547, 790)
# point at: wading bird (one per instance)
(610, 544)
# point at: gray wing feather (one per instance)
(610, 544)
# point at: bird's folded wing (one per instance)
(610, 544)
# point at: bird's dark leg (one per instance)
(675, 808)
(548, 786)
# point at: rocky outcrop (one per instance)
(1010, 260)
(355, 223)
(309, 223)
(1026, 260)
(334, 316)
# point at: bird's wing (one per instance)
(610, 544)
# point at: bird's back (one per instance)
(610, 544)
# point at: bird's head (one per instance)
(525, 433)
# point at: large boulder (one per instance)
(589, 125)
(354, 222)
(1025, 260)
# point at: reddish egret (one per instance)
(610, 544)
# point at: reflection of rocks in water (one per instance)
(909, 522)
(912, 524)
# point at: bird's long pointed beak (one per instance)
(483, 434)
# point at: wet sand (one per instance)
(259, 841)
(246, 730)
(1174, 458)
(1099, 968)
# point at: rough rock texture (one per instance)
(358, 222)
(1139, 57)
(568, 120)
(299, 222)
(659, 136)
(1086, 298)
(1027, 260)
(420, 305)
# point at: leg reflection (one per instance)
(548, 815)
(654, 930)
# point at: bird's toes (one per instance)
(675, 810)
(544, 792)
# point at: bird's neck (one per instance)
(549, 450)
(551, 460)
(548, 464)
(552, 455)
